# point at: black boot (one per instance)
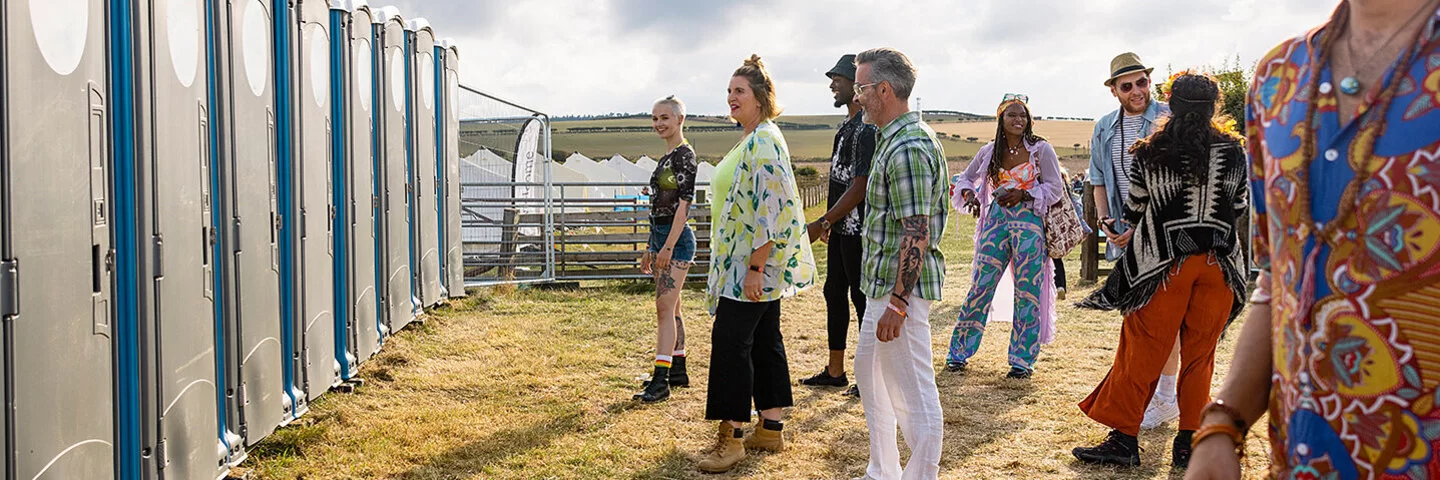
(1117, 449)
(678, 377)
(659, 387)
(1181, 450)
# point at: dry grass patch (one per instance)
(532, 383)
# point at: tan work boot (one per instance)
(765, 439)
(727, 453)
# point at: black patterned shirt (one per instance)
(853, 149)
(672, 181)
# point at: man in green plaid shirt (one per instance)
(903, 271)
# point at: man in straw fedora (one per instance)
(1110, 163)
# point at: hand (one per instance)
(825, 237)
(645, 262)
(889, 326)
(662, 260)
(972, 204)
(815, 230)
(1214, 458)
(1121, 240)
(754, 283)
(1011, 197)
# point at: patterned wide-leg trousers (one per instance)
(1009, 236)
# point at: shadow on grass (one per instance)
(671, 466)
(971, 427)
(1145, 470)
(473, 458)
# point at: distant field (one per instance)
(806, 145)
(1063, 134)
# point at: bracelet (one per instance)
(896, 309)
(755, 268)
(900, 298)
(1221, 429)
(824, 222)
(1236, 418)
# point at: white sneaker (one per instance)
(1159, 413)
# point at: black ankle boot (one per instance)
(1181, 449)
(1117, 449)
(678, 377)
(658, 389)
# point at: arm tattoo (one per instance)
(913, 243)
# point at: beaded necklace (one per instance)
(1372, 126)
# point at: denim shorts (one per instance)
(684, 247)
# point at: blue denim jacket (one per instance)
(1102, 170)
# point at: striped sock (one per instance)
(663, 360)
(680, 353)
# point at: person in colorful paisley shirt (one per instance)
(1343, 339)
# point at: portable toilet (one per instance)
(420, 77)
(357, 323)
(453, 270)
(389, 107)
(182, 418)
(56, 253)
(246, 134)
(313, 355)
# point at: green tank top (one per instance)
(721, 179)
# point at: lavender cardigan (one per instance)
(1049, 190)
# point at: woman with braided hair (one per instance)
(1182, 273)
(1341, 344)
(1018, 176)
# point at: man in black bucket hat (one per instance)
(849, 171)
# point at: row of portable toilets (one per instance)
(211, 212)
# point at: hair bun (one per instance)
(754, 61)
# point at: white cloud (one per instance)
(579, 57)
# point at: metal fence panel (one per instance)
(498, 248)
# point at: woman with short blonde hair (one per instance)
(671, 247)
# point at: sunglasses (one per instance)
(859, 89)
(1023, 98)
(1141, 83)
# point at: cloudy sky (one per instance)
(569, 57)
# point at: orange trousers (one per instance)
(1195, 303)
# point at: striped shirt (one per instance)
(1120, 151)
(907, 178)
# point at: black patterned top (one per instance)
(672, 181)
(853, 149)
(1174, 218)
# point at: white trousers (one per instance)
(897, 387)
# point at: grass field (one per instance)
(805, 145)
(535, 384)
